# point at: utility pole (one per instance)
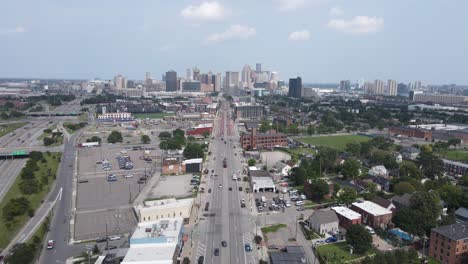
(107, 237)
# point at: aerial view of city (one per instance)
(233, 132)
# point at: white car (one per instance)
(113, 238)
(50, 244)
(220, 186)
(288, 204)
(128, 176)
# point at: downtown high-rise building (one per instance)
(246, 76)
(295, 87)
(379, 87)
(171, 81)
(217, 79)
(188, 74)
(120, 82)
(231, 79)
(345, 85)
(258, 67)
(392, 88)
(196, 74)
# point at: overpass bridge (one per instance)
(23, 152)
(54, 113)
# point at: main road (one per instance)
(225, 220)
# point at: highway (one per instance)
(225, 219)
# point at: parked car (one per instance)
(50, 244)
(224, 243)
(331, 239)
(216, 252)
(113, 238)
(201, 259)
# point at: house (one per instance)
(324, 221)
(385, 203)
(383, 183)
(449, 244)
(461, 215)
(291, 255)
(282, 168)
(346, 216)
(402, 201)
(373, 214)
(410, 153)
(379, 170)
(398, 158)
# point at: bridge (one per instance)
(54, 113)
(18, 153)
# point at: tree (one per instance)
(452, 195)
(298, 174)
(251, 162)
(454, 142)
(94, 139)
(193, 151)
(145, 139)
(359, 238)
(409, 170)
(206, 134)
(186, 260)
(114, 137)
(22, 253)
(327, 156)
(29, 186)
(164, 135)
(310, 130)
(382, 143)
(15, 207)
(403, 187)
(318, 189)
(293, 129)
(351, 168)
(354, 148)
(258, 239)
(264, 126)
(432, 165)
(347, 196)
(464, 180)
(178, 132)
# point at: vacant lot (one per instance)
(152, 115)
(458, 155)
(338, 253)
(337, 142)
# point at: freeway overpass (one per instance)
(54, 113)
(23, 152)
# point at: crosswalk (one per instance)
(248, 238)
(201, 250)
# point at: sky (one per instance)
(320, 40)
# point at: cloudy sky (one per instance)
(320, 40)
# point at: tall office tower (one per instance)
(196, 74)
(258, 67)
(232, 79)
(295, 87)
(402, 88)
(368, 87)
(262, 77)
(274, 77)
(245, 76)
(188, 74)
(217, 78)
(345, 85)
(171, 81)
(118, 80)
(378, 87)
(392, 88)
(416, 85)
(206, 78)
(147, 76)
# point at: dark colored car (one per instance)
(201, 259)
(216, 252)
(101, 239)
(224, 243)
(240, 189)
(209, 190)
(248, 248)
(230, 188)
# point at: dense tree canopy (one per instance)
(359, 238)
(114, 137)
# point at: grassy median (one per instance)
(46, 174)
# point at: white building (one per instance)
(378, 171)
(115, 117)
(324, 221)
(164, 209)
(158, 242)
(263, 184)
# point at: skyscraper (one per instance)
(188, 74)
(171, 81)
(217, 82)
(345, 85)
(120, 82)
(295, 87)
(245, 77)
(232, 79)
(258, 67)
(392, 88)
(378, 87)
(196, 74)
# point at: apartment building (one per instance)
(449, 244)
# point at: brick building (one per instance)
(256, 140)
(372, 214)
(249, 111)
(449, 244)
(411, 132)
(200, 130)
(171, 166)
(455, 167)
(346, 216)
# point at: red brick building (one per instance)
(411, 132)
(256, 140)
(372, 214)
(172, 166)
(200, 130)
(346, 216)
(449, 244)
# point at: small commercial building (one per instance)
(449, 244)
(171, 166)
(157, 242)
(261, 181)
(346, 216)
(372, 214)
(291, 255)
(324, 221)
(193, 165)
(164, 209)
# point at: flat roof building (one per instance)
(164, 209)
(372, 214)
(346, 216)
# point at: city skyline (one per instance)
(322, 41)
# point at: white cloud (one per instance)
(336, 11)
(287, 5)
(233, 32)
(357, 25)
(299, 35)
(205, 11)
(10, 31)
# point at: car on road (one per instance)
(248, 247)
(220, 186)
(224, 243)
(240, 188)
(230, 188)
(50, 244)
(288, 204)
(113, 238)
(301, 208)
(110, 247)
(201, 259)
(101, 239)
(216, 252)
(128, 176)
(209, 190)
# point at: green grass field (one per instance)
(7, 128)
(272, 228)
(338, 253)
(152, 115)
(453, 154)
(6, 234)
(337, 142)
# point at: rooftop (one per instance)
(323, 216)
(192, 161)
(346, 212)
(454, 232)
(259, 173)
(166, 228)
(293, 255)
(161, 254)
(372, 208)
(166, 204)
